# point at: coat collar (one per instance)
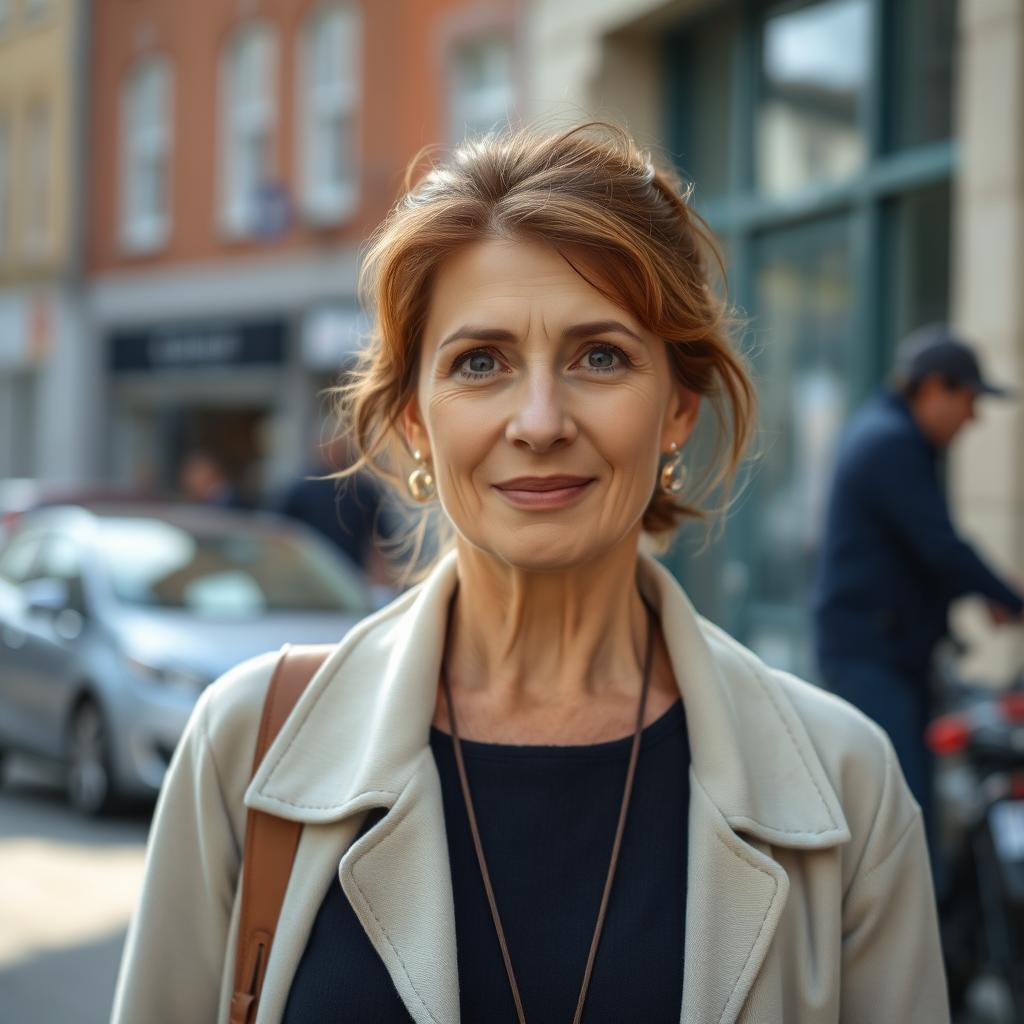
(361, 730)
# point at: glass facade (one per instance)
(818, 135)
(919, 107)
(483, 92)
(701, 63)
(328, 131)
(815, 63)
(917, 262)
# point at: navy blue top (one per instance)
(547, 818)
(891, 560)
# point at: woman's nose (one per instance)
(540, 419)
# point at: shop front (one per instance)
(217, 388)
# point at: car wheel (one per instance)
(89, 783)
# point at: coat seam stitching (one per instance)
(888, 756)
(209, 749)
(386, 832)
(328, 807)
(742, 819)
(352, 640)
(301, 721)
(764, 921)
(896, 843)
(796, 746)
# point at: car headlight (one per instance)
(173, 677)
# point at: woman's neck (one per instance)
(541, 647)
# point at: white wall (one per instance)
(988, 267)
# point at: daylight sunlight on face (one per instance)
(543, 406)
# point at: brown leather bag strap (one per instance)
(270, 842)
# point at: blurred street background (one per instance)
(185, 186)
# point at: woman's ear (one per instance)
(680, 417)
(413, 430)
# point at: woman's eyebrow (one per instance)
(574, 333)
(478, 334)
(588, 330)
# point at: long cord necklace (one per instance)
(620, 828)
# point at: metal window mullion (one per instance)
(873, 114)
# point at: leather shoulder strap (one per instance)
(270, 842)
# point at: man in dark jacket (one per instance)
(351, 512)
(892, 561)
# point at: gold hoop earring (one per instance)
(674, 472)
(421, 480)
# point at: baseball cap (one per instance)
(937, 348)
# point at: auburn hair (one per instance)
(625, 225)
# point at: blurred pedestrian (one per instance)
(204, 479)
(892, 560)
(351, 511)
(540, 786)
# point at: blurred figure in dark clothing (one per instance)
(892, 561)
(204, 479)
(349, 512)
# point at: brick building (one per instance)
(241, 151)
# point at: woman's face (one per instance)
(543, 406)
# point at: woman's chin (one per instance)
(552, 549)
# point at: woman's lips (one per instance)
(530, 496)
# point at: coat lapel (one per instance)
(398, 880)
(735, 898)
(357, 742)
(315, 868)
(755, 778)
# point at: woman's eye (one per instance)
(603, 357)
(476, 364)
(482, 362)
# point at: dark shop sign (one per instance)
(201, 346)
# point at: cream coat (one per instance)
(809, 895)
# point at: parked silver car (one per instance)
(113, 618)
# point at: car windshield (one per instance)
(156, 564)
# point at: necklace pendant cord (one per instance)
(619, 830)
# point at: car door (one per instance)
(17, 648)
(53, 644)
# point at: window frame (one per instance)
(37, 235)
(7, 171)
(327, 202)
(145, 231)
(239, 216)
(460, 101)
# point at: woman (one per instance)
(663, 828)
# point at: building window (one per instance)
(248, 91)
(329, 96)
(5, 187)
(146, 148)
(19, 407)
(701, 61)
(920, 55)
(483, 88)
(916, 254)
(815, 67)
(36, 237)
